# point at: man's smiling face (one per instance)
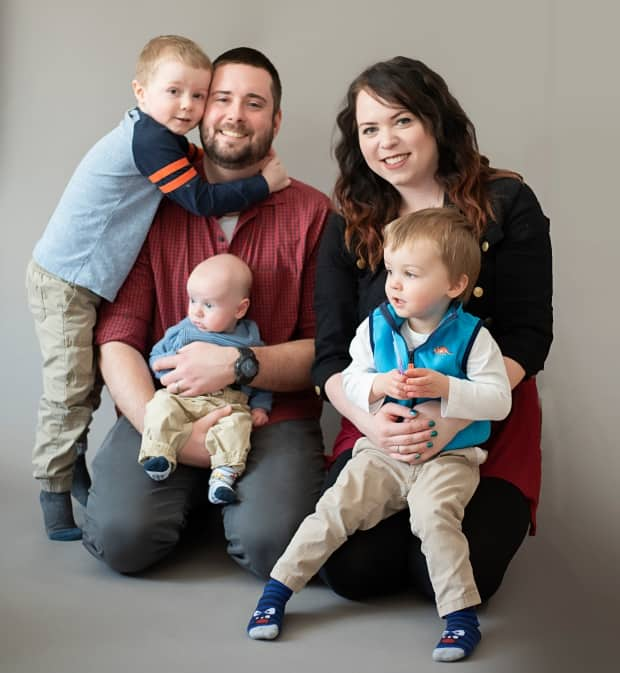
(239, 124)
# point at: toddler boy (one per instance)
(418, 345)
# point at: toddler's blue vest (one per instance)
(446, 350)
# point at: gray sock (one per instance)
(58, 516)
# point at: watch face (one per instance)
(248, 367)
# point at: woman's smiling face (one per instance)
(394, 142)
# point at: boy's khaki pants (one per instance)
(64, 318)
(371, 487)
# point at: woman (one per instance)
(406, 144)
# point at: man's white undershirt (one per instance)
(228, 224)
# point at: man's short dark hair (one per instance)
(255, 58)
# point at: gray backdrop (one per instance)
(538, 78)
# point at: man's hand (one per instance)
(259, 417)
(194, 451)
(198, 368)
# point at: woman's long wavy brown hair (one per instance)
(367, 201)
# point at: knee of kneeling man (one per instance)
(258, 549)
(126, 544)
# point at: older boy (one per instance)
(93, 239)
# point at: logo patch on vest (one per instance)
(441, 350)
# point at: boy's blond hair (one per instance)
(456, 239)
(174, 46)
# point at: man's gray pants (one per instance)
(132, 521)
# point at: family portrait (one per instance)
(295, 307)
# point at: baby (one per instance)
(219, 298)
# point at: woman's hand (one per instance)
(422, 433)
(395, 427)
(407, 439)
(432, 434)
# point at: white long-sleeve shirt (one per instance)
(484, 395)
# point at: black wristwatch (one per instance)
(246, 366)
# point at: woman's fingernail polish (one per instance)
(431, 424)
(429, 445)
(413, 412)
(434, 433)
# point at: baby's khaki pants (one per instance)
(168, 424)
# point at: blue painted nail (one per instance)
(431, 424)
(413, 412)
(429, 445)
(434, 433)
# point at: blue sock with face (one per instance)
(266, 621)
(460, 636)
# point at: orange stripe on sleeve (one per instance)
(178, 182)
(168, 170)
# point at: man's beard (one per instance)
(230, 157)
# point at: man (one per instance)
(131, 522)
